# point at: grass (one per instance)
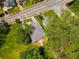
(40, 21)
(28, 20)
(14, 10)
(62, 37)
(75, 7)
(73, 48)
(30, 3)
(13, 51)
(50, 14)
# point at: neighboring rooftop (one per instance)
(10, 3)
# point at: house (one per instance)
(38, 32)
(10, 3)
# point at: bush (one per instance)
(23, 37)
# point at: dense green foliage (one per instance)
(19, 34)
(23, 37)
(4, 30)
(75, 7)
(63, 35)
(18, 21)
(33, 53)
(16, 37)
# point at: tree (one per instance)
(2, 42)
(33, 53)
(29, 28)
(4, 30)
(23, 37)
(18, 21)
(4, 27)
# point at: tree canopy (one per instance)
(4, 30)
(33, 53)
(23, 36)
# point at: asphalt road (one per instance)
(40, 7)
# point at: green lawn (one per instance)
(75, 7)
(73, 22)
(49, 14)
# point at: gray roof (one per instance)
(38, 32)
